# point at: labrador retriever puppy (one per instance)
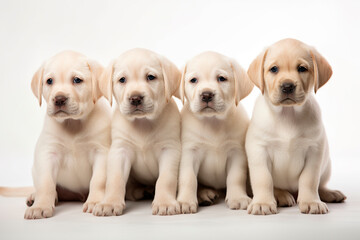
(213, 132)
(71, 152)
(286, 144)
(145, 131)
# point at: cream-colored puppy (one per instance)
(145, 130)
(70, 155)
(286, 143)
(213, 132)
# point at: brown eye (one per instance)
(49, 81)
(150, 77)
(302, 69)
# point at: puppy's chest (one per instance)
(76, 165)
(287, 150)
(215, 154)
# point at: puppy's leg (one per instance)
(165, 190)
(308, 199)
(97, 182)
(327, 195)
(206, 195)
(44, 174)
(284, 198)
(118, 170)
(263, 202)
(236, 197)
(189, 167)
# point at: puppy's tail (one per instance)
(16, 191)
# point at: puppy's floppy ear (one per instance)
(96, 71)
(182, 86)
(322, 69)
(106, 82)
(37, 85)
(256, 71)
(243, 84)
(171, 76)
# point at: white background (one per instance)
(32, 31)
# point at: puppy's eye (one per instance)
(122, 80)
(150, 77)
(274, 69)
(302, 69)
(49, 81)
(221, 79)
(193, 80)
(77, 80)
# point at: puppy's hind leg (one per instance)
(206, 196)
(327, 195)
(284, 198)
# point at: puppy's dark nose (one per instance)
(136, 100)
(207, 96)
(288, 88)
(60, 101)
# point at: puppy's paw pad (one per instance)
(238, 203)
(331, 196)
(39, 212)
(207, 196)
(107, 209)
(165, 207)
(284, 199)
(314, 207)
(265, 208)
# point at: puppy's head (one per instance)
(212, 83)
(141, 81)
(69, 84)
(288, 70)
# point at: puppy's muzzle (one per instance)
(60, 100)
(207, 96)
(136, 100)
(287, 88)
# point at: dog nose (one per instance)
(60, 100)
(288, 88)
(136, 100)
(207, 96)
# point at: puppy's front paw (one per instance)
(262, 208)
(238, 203)
(188, 207)
(313, 207)
(108, 209)
(168, 207)
(89, 206)
(36, 212)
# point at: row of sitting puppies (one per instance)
(149, 149)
